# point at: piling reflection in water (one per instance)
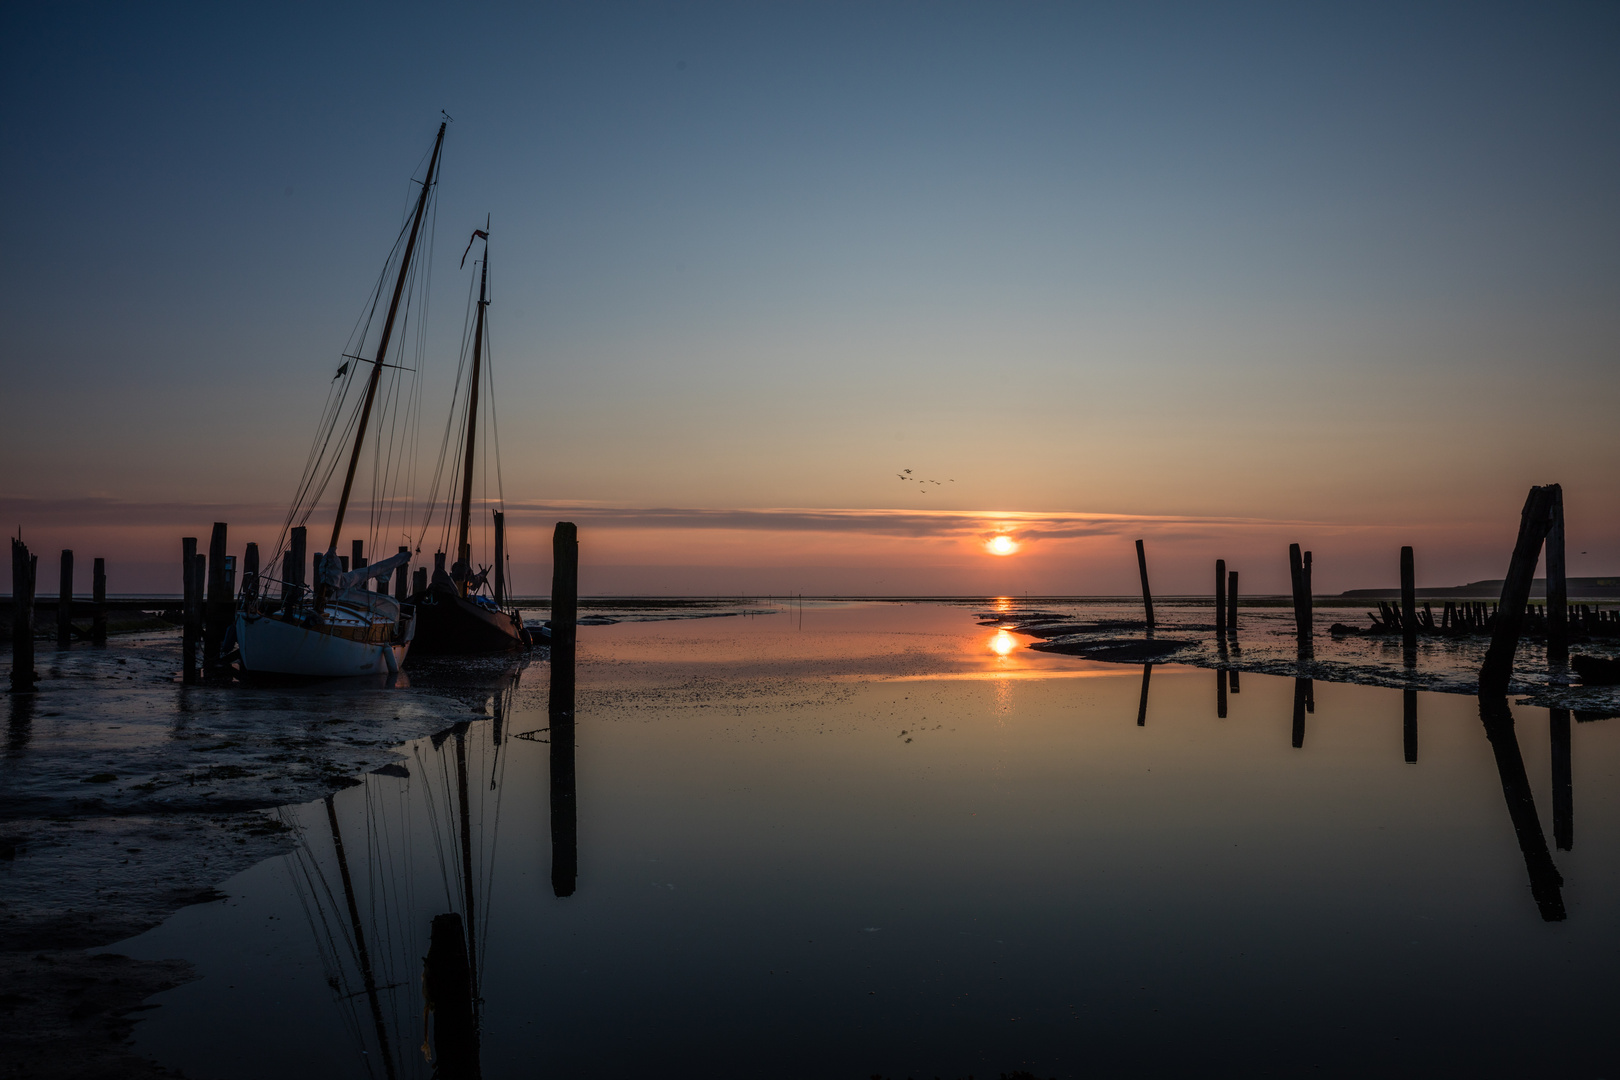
(564, 820)
(1546, 883)
(1220, 694)
(1409, 725)
(449, 999)
(1147, 674)
(1563, 781)
(1304, 702)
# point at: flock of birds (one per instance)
(905, 474)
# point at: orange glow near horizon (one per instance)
(1002, 545)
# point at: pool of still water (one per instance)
(881, 839)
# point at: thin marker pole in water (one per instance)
(1147, 594)
(1231, 603)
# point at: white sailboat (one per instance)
(340, 627)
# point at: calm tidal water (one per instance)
(860, 839)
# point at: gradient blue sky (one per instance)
(1350, 268)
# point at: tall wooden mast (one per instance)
(463, 551)
(382, 346)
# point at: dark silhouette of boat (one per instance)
(459, 612)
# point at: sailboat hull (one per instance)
(271, 646)
(448, 624)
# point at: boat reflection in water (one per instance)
(373, 921)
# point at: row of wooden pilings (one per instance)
(1541, 521)
(24, 587)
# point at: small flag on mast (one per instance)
(478, 234)
(340, 371)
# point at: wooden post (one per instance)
(1147, 594)
(1220, 597)
(358, 560)
(1535, 521)
(297, 552)
(24, 571)
(419, 580)
(217, 605)
(250, 572)
(1299, 570)
(1557, 588)
(98, 596)
(64, 602)
(500, 559)
(1409, 617)
(1141, 708)
(1563, 783)
(1231, 604)
(564, 610)
(1409, 725)
(402, 575)
(1309, 615)
(191, 620)
(1232, 680)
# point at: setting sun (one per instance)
(1002, 545)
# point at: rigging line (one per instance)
(431, 803)
(325, 942)
(444, 445)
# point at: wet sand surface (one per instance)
(860, 839)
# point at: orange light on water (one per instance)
(1002, 545)
(1003, 643)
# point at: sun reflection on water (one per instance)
(1003, 643)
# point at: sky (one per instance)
(1223, 277)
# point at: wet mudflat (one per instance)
(858, 839)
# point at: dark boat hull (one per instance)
(448, 624)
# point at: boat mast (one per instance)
(382, 346)
(463, 550)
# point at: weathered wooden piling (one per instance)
(298, 551)
(217, 606)
(1409, 725)
(1147, 594)
(419, 580)
(564, 617)
(1147, 675)
(564, 608)
(1563, 780)
(1299, 570)
(250, 572)
(1535, 521)
(402, 574)
(98, 600)
(64, 601)
(358, 560)
(191, 621)
(1220, 597)
(1231, 604)
(1232, 680)
(1409, 615)
(1557, 588)
(500, 559)
(24, 575)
